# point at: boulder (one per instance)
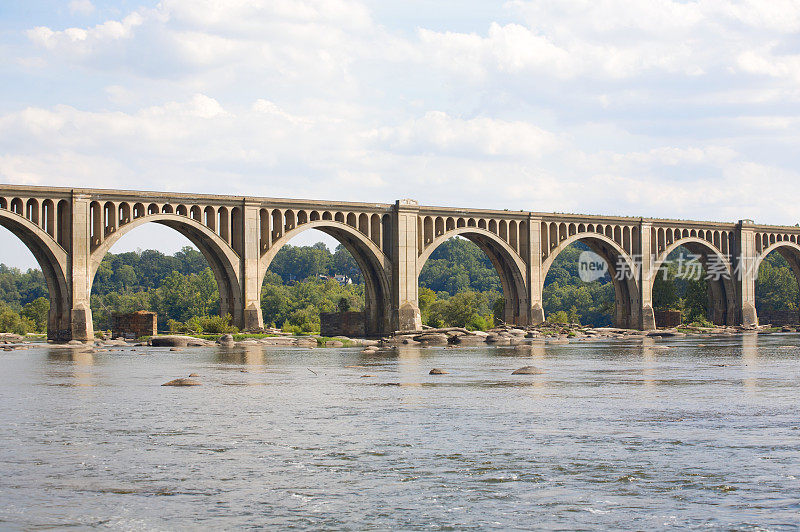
(226, 340)
(399, 339)
(527, 370)
(170, 340)
(432, 338)
(469, 340)
(437, 371)
(334, 343)
(362, 342)
(306, 342)
(499, 339)
(182, 382)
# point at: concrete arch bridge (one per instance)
(69, 230)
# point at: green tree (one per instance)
(12, 322)
(695, 304)
(776, 285)
(665, 294)
(36, 312)
(127, 277)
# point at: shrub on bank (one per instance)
(203, 324)
(28, 320)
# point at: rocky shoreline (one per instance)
(548, 333)
(557, 334)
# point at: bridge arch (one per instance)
(621, 268)
(53, 261)
(223, 260)
(789, 250)
(722, 291)
(506, 261)
(374, 264)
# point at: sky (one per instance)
(656, 108)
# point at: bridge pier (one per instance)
(79, 269)
(405, 275)
(646, 319)
(252, 319)
(533, 261)
(745, 274)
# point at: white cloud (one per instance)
(83, 42)
(83, 7)
(655, 108)
(436, 132)
(674, 156)
(764, 62)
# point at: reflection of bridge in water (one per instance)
(70, 230)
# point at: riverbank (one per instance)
(559, 333)
(455, 336)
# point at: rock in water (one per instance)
(226, 340)
(182, 382)
(469, 340)
(174, 340)
(527, 370)
(437, 371)
(431, 338)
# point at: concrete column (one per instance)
(645, 257)
(80, 270)
(251, 289)
(405, 277)
(534, 262)
(744, 275)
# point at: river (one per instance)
(613, 434)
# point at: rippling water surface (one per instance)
(705, 434)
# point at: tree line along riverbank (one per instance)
(458, 288)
